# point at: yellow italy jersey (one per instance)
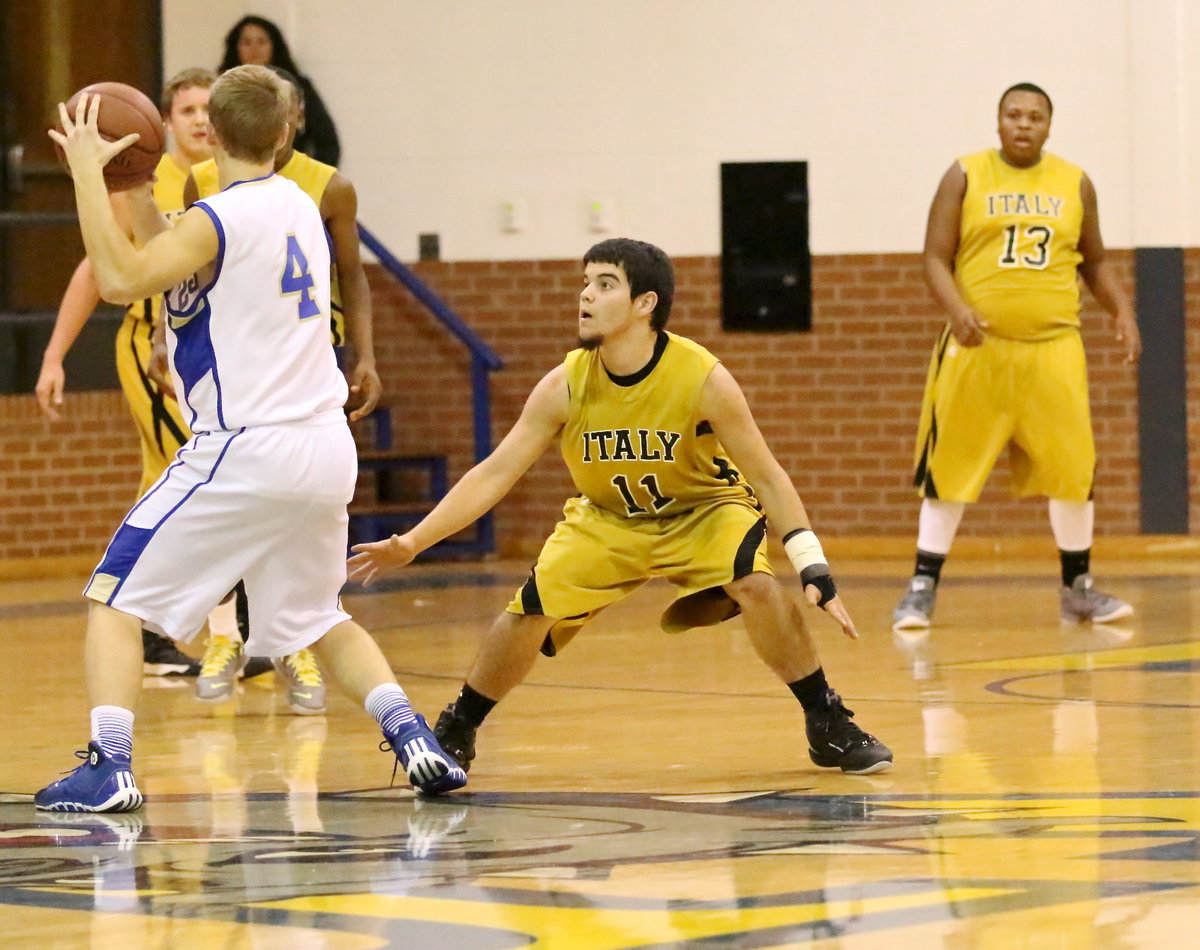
(313, 178)
(168, 195)
(635, 445)
(1018, 252)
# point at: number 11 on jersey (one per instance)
(297, 279)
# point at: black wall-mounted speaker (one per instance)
(766, 268)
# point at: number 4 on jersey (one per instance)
(297, 279)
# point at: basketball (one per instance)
(123, 110)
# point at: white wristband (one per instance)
(804, 551)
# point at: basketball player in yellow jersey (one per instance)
(336, 198)
(1010, 232)
(674, 480)
(155, 411)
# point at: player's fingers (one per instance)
(115, 148)
(370, 401)
(93, 112)
(65, 119)
(57, 136)
(81, 109)
(837, 610)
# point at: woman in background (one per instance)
(258, 41)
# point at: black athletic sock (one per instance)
(1074, 564)
(473, 706)
(930, 565)
(242, 602)
(810, 690)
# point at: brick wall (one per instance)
(65, 485)
(838, 405)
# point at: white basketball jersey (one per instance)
(251, 346)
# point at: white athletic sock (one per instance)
(938, 524)
(222, 620)
(112, 728)
(1072, 523)
(388, 704)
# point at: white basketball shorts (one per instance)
(264, 504)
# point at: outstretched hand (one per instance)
(81, 140)
(835, 608)
(377, 559)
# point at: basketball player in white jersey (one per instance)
(260, 491)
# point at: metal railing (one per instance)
(483, 358)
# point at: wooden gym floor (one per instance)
(646, 791)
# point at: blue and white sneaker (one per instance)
(428, 766)
(102, 783)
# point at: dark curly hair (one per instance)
(280, 54)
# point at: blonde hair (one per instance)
(248, 111)
(194, 78)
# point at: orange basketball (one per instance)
(123, 110)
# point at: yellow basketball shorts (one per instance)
(595, 558)
(160, 426)
(1029, 396)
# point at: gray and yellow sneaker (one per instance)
(305, 686)
(1081, 602)
(220, 668)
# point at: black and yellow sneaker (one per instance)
(837, 743)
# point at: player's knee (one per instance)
(754, 590)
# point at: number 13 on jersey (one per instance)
(298, 279)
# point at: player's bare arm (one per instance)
(125, 273)
(339, 210)
(1097, 272)
(144, 216)
(541, 420)
(941, 246)
(724, 406)
(78, 303)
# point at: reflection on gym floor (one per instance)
(643, 790)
